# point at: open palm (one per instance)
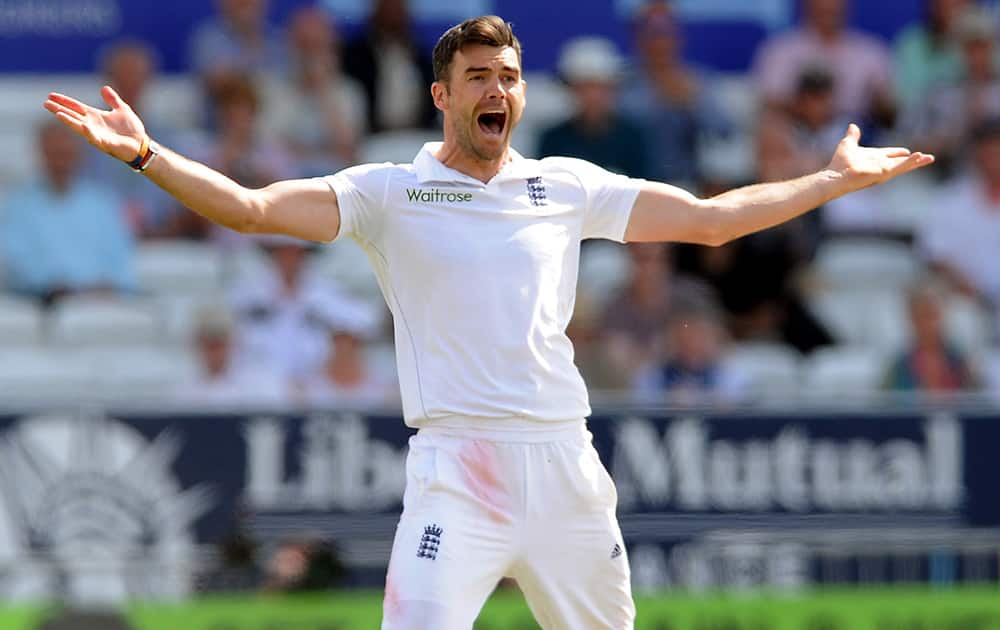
(117, 132)
(867, 166)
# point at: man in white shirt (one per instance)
(476, 251)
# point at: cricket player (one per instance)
(476, 250)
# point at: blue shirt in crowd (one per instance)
(76, 240)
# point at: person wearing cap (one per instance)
(347, 378)
(220, 382)
(281, 313)
(597, 132)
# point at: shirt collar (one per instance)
(429, 169)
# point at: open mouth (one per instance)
(492, 123)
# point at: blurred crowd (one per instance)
(906, 275)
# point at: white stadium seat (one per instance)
(858, 262)
(178, 267)
(863, 317)
(968, 325)
(846, 373)
(398, 147)
(44, 375)
(90, 321)
(771, 369)
(604, 270)
(346, 265)
(21, 322)
(130, 374)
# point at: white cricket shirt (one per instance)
(481, 279)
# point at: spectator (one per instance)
(926, 54)
(931, 363)
(692, 370)
(801, 139)
(592, 68)
(951, 110)
(393, 70)
(668, 98)
(64, 233)
(962, 238)
(315, 110)
(221, 383)
(304, 565)
(241, 150)
(634, 320)
(589, 353)
(860, 64)
(346, 378)
(282, 314)
(236, 42)
(130, 67)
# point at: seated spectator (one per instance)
(632, 324)
(800, 139)
(130, 67)
(394, 71)
(346, 379)
(951, 110)
(315, 110)
(930, 363)
(64, 233)
(668, 98)
(220, 382)
(754, 278)
(860, 64)
(592, 68)
(237, 42)
(926, 53)
(282, 313)
(691, 370)
(240, 150)
(962, 238)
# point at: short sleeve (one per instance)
(360, 194)
(610, 198)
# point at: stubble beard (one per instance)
(464, 132)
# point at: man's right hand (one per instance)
(118, 132)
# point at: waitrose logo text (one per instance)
(434, 195)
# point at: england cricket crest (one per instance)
(90, 512)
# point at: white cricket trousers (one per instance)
(536, 507)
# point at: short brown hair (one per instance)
(487, 30)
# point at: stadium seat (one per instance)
(134, 374)
(345, 264)
(968, 324)
(871, 263)
(178, 267)
(21, 322)
(771, 369)
(864, 317)
(845, 374)
(604, 270)
(397, 147)
(89, 321)
(41, 374)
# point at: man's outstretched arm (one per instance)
(665, 213)
(305, 208)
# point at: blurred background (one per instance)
(809, 417)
